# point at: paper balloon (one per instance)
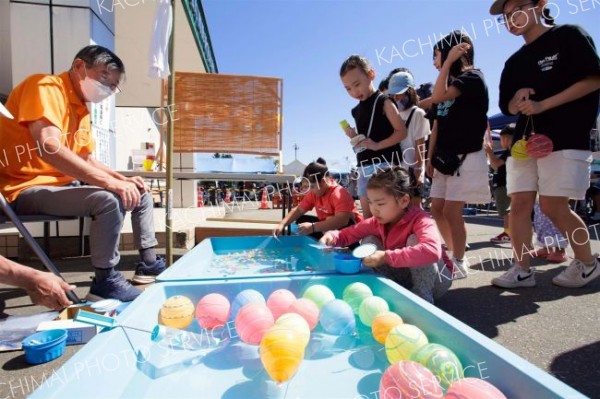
(307, 309)
(337, 318)
(319, 294)
(212, 311)
(252, 321)
(281, 352)
(539, 146)
(473, 388)
(370, 308)
(243, 298)
(296, 323)
(279, 301)
(406, 379)
(383, 323)
(355, 293)
(441, 361)
(402, 341)
(519, 150)
(176, 312)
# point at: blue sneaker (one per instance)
(115, 286)
(145, 274)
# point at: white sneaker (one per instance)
(515, 277)
(577, 274)
(460, 270)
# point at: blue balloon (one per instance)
(244, 298)
(337, 318)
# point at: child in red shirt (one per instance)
(333, 204)
(410, 246)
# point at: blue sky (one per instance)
(305, 42)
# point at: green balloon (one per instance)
(441, 361)
(319, 294)
(370, 307)
(355, 293)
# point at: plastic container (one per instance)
(107, 306)
(347, 264)
(45, 346)
(294, 228)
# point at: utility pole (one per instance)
(296, 148)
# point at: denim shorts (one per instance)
(364, 173)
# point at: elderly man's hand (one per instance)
(49, 290)
(127, 191)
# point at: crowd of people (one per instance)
(552, 82)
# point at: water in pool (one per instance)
(262, 260)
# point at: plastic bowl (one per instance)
(295, 229)
(44, 346)
(347, 264)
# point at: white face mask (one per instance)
(94, 91)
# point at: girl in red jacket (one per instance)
(410, 249)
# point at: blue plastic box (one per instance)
(348, 367)
(215, 258)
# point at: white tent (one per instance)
(294, 168)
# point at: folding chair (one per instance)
(17, 221)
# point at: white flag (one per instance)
(159, 47)
(4, 111)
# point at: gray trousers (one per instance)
(103, 207)
(428, 282)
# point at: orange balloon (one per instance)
(383, 324)
(281, 352)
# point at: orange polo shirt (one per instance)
(48, 97)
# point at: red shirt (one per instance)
(335, 200)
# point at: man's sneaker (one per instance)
(501, 238)
(460, 270)
(577, 274)
(145, 274)
(515, 277)
(115, 286)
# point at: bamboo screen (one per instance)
(227, 113)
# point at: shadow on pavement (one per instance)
(578, 368)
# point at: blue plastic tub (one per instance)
(242, 257)
(44, 346)
(348, 367)
(347, 264)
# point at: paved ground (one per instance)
(555, 328)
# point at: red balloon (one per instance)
(539, 146)
(408, 379)
(307, 309)
(473, 388)
(212, 311)
(252, 322)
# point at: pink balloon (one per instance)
(408, 379)
(252, 322)
(279, 301)
(307, 309)
(212, 311)
(539, 146)
(473, 388)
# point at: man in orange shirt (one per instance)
(47, 149)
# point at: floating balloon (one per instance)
(441, 361)
(383, 323)
(519, 150)
(355, 293)
(319, 294)
(212, 311)
(176, 312)
(402, 341)
(243, 298)
(279, 301)
(252, 321)
(539, 146)
(370, 308)
(307, 309)
(473, 388)
(406, 379)
(296, 323)
(337, 318)
(281, 352)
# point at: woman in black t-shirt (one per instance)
(461, 99)
(553, 83)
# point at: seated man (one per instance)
(47, 149)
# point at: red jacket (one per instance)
(416, 221)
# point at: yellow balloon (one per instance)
(281, 352)
(176, 312)
(402, 341)
(519, 150)
(296, 323)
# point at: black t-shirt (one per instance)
(499, 179)
(380, 130)
(462, 122)
(556, 60)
